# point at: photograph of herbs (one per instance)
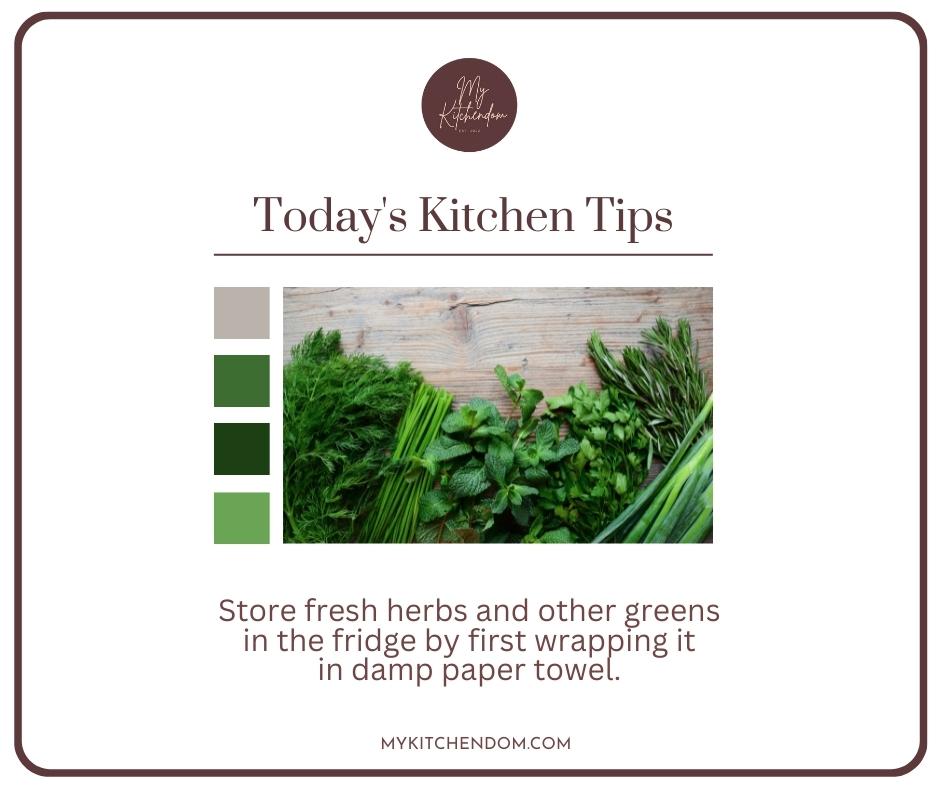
(520, 415)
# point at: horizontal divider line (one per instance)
(463, 254)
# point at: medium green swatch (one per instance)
(242, 518)
(242, 381)
(242, 449)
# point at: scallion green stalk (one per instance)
(652, 516)
(394, 517)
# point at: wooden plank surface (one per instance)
(455, 336)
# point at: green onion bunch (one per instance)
(677, 505)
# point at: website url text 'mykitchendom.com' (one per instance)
(476, 743)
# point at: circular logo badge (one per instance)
(469, 104)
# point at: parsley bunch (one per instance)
(612, 461)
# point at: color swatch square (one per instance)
(242, 449)
(241, 381)
(242, 518)
(242, 313)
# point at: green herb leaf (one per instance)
(528, 402)
(445, 448)
(460, 420)
(497, 466)
(469, 480)
(433, 506)
(562, 402)
(537, 473)
(546, 434)
(566, 448)
(500, 501)
(558, 536)
(521, 513)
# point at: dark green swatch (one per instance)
(241, 381)
(242, 518)
(242, 449)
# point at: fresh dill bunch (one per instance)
(340, 417)
(668, 382)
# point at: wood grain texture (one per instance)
(455, 336)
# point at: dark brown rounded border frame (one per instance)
(510, 15)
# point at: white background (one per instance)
(788, 149)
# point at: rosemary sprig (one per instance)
(667, 383)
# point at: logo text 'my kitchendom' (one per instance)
(469, 104)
